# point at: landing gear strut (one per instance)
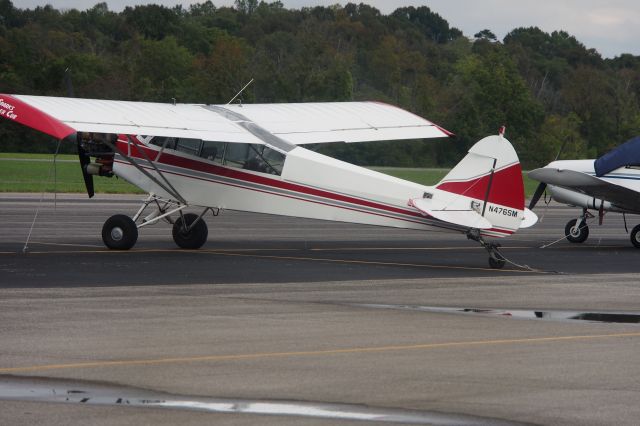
(120, 232)
(496, 259)
(190, 231)
(577, 230)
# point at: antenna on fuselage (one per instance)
(241, 90)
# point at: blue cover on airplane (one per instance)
(627, 154)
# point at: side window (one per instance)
(160, 141)
(189, 146)
(267, 160)
(259, 158)
(236, 155)
(212, 151)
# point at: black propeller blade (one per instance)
(85, 159)
(536, 195)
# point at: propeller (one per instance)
(83, 154)
(543, 186)
(536, 195)
(85, 160)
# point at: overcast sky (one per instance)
(610, 26)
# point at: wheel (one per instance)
(195, 238)
(119, 232)
(496, 261)
(635, 236)
(576, 234)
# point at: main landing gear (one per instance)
(635, 236)
(120, 232)
(190, 232)
(577, 230)
(496, 259)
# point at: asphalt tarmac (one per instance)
(290, 321)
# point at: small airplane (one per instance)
(610, 183)
(249, 157)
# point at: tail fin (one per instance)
(490, 174)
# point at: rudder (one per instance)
(491, 175)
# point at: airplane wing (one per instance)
(307, 123)
(590, 185)
(295, 124)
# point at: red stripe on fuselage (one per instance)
(214, 170)
(431, 222)
(175, 160)
(293, 197)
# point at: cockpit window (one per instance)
(271, 160)
(168, 143)
(259, 158)
(189, 146)
(213, 151)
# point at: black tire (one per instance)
(195, 238)
(119, 232)
(576, 234)
(635, 236)
(496, 261)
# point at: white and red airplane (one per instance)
(610, 183)
(250, 158)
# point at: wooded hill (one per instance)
(549, 89)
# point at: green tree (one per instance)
(589, 94)
(489, 93)
(160, 69)
(560, 138)
(222, 73)
(430, 24)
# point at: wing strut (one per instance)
(168, 187)
(173, 191)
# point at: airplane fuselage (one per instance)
(308, 185)
(628, 177)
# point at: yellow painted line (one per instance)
(413, 248)
(360, 350)
(65, 244)
(102, 249)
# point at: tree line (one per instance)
(547, 88)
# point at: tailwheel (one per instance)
(635, 236)
(496, 259)
(119, 232)
(576, 233)
(190, 231)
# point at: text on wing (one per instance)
(6, 110)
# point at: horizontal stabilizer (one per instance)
(530, 219)
(467, 218)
